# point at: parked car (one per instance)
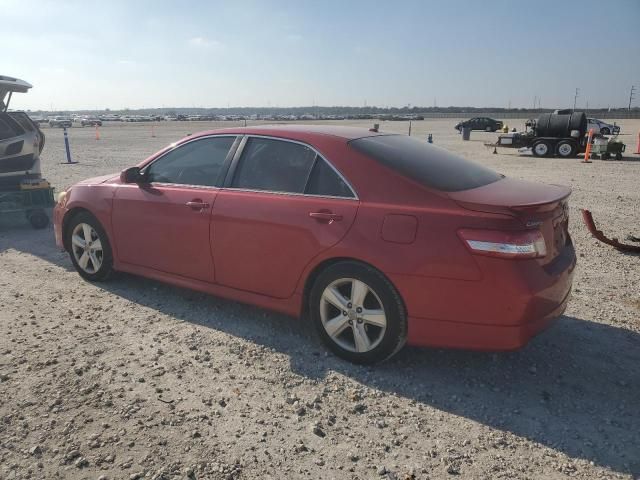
(61, 122)
(380, 239)
(90, 121)
(21, 141)
(601, 127)
(480, 123)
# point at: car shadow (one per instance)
(575, 388)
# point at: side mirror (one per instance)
(131, 175)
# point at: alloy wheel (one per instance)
(352, 315)
(87, 248)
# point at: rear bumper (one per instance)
(512, 303)
(435, 333)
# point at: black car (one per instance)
(480, 123)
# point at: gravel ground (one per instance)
(134, 379)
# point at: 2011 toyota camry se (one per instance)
(380, 239)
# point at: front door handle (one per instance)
(197, 204)
(326, 216)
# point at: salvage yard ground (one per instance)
(135, 379)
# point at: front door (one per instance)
(285, 206)
(163, 222)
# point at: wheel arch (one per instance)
(326, 263)
(67, 219)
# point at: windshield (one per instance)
(419, 160)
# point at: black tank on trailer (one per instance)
(560, 125)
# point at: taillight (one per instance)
(495, 243)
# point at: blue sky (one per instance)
(284, 53)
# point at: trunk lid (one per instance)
(534, 205)
(10, 85)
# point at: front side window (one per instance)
(198, 162)
(274, 165)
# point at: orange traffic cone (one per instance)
(637, 152)
(97, 133)
(587, 152)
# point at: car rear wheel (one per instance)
(358, 313)
(541, 148)
(566, 149)
(89, 248)
(605, 131)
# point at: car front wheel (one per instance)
(89, 247)
(605, 131)
(358, 313)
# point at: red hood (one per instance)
(100, 179)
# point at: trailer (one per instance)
(561, 134)
(31, 202)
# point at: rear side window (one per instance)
(325, 181)
(23, 120)
(274, 165)
(5, 129)
(198, 162)
(427, 164)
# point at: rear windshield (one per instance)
(432, 166)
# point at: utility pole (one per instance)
(535, 100)
(631, 95)
(575, 98)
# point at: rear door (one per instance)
(283, 206)
(163, 222)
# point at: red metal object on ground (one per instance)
(588, 220)
(637, 152)
(486, 266)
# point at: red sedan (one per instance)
(379, 239)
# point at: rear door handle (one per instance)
(197, 204)
(328, 217)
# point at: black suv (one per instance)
(485, 124)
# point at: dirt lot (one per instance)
(134, 379)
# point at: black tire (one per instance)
(566, 149)
(388, 340)
(106, 266)
(38, 219)
(618, 156)
(605, 131)
(542, 148)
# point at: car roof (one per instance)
(297, 131)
